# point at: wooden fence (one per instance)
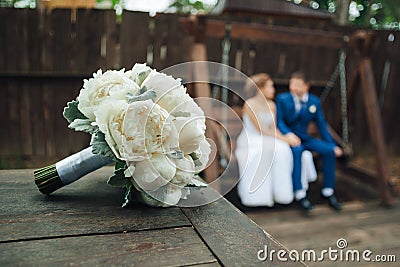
(45, 55)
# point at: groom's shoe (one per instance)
(305, 204)
(333, 203)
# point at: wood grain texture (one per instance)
(83, 224)
(88, 206)
(164, 247)
(231, 235)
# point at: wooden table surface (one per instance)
(83, 224)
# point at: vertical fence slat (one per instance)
(61, 48)
(4, 120)
(89, 29)
(11, 47)
(110, 32)
(25, 119)
(134, 36)
(38, 122)
(48, 119)
(14, 119)
(3, 38)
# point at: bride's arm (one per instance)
(251, 113)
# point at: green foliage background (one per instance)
(376, 14)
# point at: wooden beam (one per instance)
(261, 32)
(376, 128)
(202, 90)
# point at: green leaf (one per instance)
(120, 165)
(196, 159)
(118, 179)
(142, 90)
(141, 77)
(180, 114)
(176, 154)
(100, 146)
(83, 125)
(71, 112)
(150, 94)
(128, 197)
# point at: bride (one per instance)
(264, 156)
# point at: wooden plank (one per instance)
(247, 58)
(62, 90)
(4, 120)
(169, 42)
(88, 206)
(37, 116)
(375, 128)
(61, 39)
(158, 39)
(89, 31)
(164, 247)
(231, 236)
(48, 119)
(14, 119)
(110, 41)
(34, 40)
(135, 37)
(25, 119)
(3, 38)
(11, 51)
(22, 27)
(274, 33)
(364, 225)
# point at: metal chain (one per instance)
(343, 97)
(331, 82)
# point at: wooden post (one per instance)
(202, 89)
(375, 128)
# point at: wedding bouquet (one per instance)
(147, 125)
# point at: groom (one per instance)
(295, 110)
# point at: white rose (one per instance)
(110, 118)
(191, 132)
(151, 174)
(185, 171)
(112, 84)
(147, 129)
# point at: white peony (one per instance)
(139, 73)
(147, 129)
(191, 132)
(113, 84)
(203, 155)
(165, 196)
(185, 170)
(169, 91)
(110, 116)
(151, 174)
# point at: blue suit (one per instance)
(289, 120)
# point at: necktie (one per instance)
(303, 106)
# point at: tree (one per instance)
(376, 14)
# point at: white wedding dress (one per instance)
(265, 166)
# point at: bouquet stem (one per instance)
(50, 178)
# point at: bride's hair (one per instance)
(255, 82)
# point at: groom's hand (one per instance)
(338, 151)
(293, 139)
